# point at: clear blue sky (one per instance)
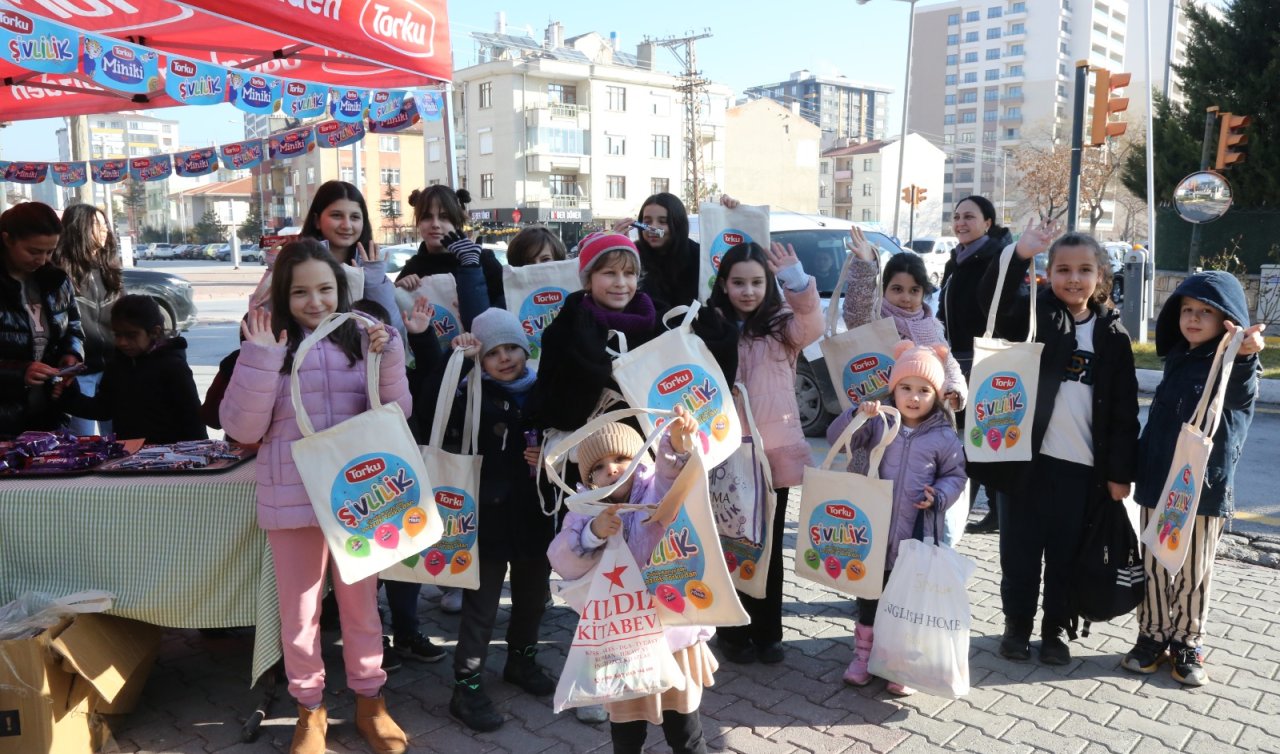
(867, 43)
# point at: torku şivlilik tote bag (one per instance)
(536, 294)
(1168, 530)
(686, 570)
(743, 501)
(859, 360)
(441, 292)
(722, 229)
(454, 560)
(845, 518)
(677, 369)
(1002, 387)
(364, 476)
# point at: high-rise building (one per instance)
(841, 107)
(989, 76)
(1163, 38)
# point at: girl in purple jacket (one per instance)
(308, 285)
(925, 462)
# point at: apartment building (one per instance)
(771, 156)
(573, 132)
(860, 182)
(1164, 37)
(840, 107)
(990, 75)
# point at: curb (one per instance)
(1268, 390)
(1261, 549)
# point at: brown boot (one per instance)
(308, 737)
(377, 727)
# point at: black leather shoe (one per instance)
(1053, 648)
(525, 672)
(738, 654)
(771, 653)
(1016, 642)
(990, 523)
(472, 707)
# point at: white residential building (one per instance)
(841, 107)
(772, 156)
(863, 185)
(1163, 36)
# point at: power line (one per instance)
(692, 85)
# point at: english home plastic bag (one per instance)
(536, 294)
(721, 229)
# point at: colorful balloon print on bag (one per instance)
(373, 498)
(692, 386)
(120, 67)
(35, 44)
(1177, 508)
(674, 568)
(999, 409)
(458, 510)
(839, 539)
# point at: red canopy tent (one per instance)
(385, 44)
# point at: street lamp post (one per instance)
(906, 93)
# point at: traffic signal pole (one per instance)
(1206, 154)
(1077, 144)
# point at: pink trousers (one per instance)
(301, 559)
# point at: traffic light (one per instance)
(1104, 105)
(908, 194)
(920, 192)
(1231, 138)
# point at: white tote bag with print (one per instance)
(859, 360)
(441, 292)
(536, 293)
(845, 518)
(1002, 387)
(364, 476)
(743, 501)
(721, 229)
(677, 369)
(1168, 533)
(453, 561)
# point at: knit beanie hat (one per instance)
(911, 360)
(594, 245)
(498, 327)
(611, 439)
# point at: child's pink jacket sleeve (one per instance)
(393, 385)
(807, 323)
(250, 399)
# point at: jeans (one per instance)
(88, 384)
(766, 614)
(529, 580)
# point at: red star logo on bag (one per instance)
(615, 575)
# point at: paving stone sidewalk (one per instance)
(198, 697)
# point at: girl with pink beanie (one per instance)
(926, 462)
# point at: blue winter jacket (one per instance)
(1185, 372)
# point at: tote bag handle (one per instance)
(1005, 256)
(842, 283)
(326, 328)
(1210, 410)
(756, 439)
(444, 404)
(552, 457)
(859, 418)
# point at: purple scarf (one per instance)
(639, 318)
(965, 252)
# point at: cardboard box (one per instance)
(55, 687)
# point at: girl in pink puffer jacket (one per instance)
(925, 462)
(308, 285)
(773, 332)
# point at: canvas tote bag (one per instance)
(454, 561)
(743, 501)
(1002, 387)
(1169, 529)
(844, 521)
(722, 229)
(364, 476)
(677, 368)
(441, 291)
(536, 294)
(859, 360)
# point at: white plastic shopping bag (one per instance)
(721, 229)
(844, 522)
(1002, 387)
(859, 360)
(619, 651)
(536, 294)
(1169, 529)
(453, 561)
(922, 624)
(364, 476)
(677, 368)
(743, 501)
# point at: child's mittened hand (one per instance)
(862, 248)
(418, 319)
(466, 250)
(409, 282)
(1036, 238)
(927, 503)
(870, 408)
(256, 328)
(1119, 491)
(780, 256)
(1253, 341)
(378, 337)
(606, 523)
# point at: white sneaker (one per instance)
(451, 600)
(592, 714)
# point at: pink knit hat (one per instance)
(594, 245)
(925, 362)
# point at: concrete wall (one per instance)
(771, 156)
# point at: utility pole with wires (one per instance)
(692, 86)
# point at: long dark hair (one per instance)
(26, 220)
(328, 193)
(79, 255)
(771, 317)
(347, 336)
(453, 203)
(910, 263)
(1102, 293)
(677, 222)
(988, 210)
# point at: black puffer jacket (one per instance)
(22, 408)
(670, 277)
(152, 396)
(95, 301)
(425, 263)
(958, 308)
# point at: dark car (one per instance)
(171, 292)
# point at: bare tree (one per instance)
(1044, 176)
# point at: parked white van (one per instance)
(935, 252)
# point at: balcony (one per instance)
(844, 175)
(1012, 99)
(558, 115)
(538, 160)
(559, 201)
(1010, 120)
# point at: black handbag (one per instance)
(1109, 579)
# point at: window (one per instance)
(949, 99)
(971, 77)
(972, 16)
(486, 185)
(951, 60)
(866, 165)
(1015, 90)
(868, 216)
(995, 12)
(661, 185)
(1018, 28)
(1011, 133)
(823, 191)
(971, 57)
(949, 119)
(388, 143)
(989, 116)
(1066, 27)
(948, 138)
(562, 94)
(1013, 112)
(1014, 70)
(950, 80)
(953, 19)
(486, 141)
(615, 98)
(347, 174)
(988, 136)
(1016, 49)
(953, 39)
(1018, 8)
(615, 145)
(1063, 48)
(824, 167)
(970, 37)
(969, 117)
(661, 105)
(390, 176)
(993, 54)
(486, 94)
(617, 186)
(311, 174)
(563, 185)
(993, 32)
(661, 146)
(866, 189)
(964, 176)
(968, 97)
(991, 95)
(433, 150)
(558, 140)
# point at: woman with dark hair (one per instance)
(40, 331)
(981, 241)
(340, 216)
(88, 252)
(440, 214)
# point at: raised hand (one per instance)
(728, 202)
(682, 428)
(256, 329)
(373, 254)
(780, 256)
(418, 319)
(870, 408)
(1037, 237)
(1253, 340)
(862, 248)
